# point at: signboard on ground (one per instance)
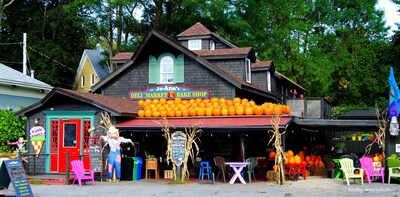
(178, 139)
(95, 154)
(17, 176)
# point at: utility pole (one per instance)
(24, 66)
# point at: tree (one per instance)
(3, 7)
(11, 128)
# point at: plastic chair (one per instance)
(348, 169)
(205, 170)
(220, 163)
(368, 165)
(250, 169)
(79, 171)
(327, 160)
(393, 172)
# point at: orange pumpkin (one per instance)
(290, 153)
(275, 167)
(147, 113)
(239, 110)
(216, 111)
(376, 158)
(249, 111)
(297, 159)
(209, 111)
(224, 111)
(292, 160)
(141, 113)
(156, 114)
(272, 154)
(258, 110)
(200, 111)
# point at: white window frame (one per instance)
(194, 44)
(212, 45)
(167, 68)
(82, 81)
(92, 77)
(248, 70)
(269, 88)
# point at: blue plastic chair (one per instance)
(205, 170)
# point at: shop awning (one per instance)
(230, 123)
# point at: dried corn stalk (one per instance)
(380, 136)
(280, 153)
(191, 137)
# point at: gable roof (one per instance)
(223, 53)
(199, 29)
(9, 76)
(213, 67)
(117, 106)
(95, 57)
(122, 56)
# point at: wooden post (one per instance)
(67, 168)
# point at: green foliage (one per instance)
(339, 111)
(11, 128)
(393, 161)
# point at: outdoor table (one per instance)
(237, 167)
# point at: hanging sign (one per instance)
(178, 139)
(17, 176)
(168, 92)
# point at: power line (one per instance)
(50, 58)
(7, 62)
(11, 43)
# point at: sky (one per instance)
(391, 14)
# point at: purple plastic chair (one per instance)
(79, 171)
(371, 170)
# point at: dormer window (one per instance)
(248, 70)
(166, 69)
(92, 78)
(82, 81)
(212, 45)
(194, 45)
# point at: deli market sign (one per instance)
(168, 92)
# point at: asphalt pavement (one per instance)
(313, 186)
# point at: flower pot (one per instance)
(353, 138)
(359, 138)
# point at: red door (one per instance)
(69, 140)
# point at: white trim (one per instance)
(248, 70)
(82, 81)
(269, 81)
(92, 77)
(194, 44)
(212, 45)
(170, 71)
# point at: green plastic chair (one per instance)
(348, 169)
(250, 169)
(394, 172)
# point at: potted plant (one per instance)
(353, 137)
(339, 148)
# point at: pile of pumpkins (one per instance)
(207, 107)
(299, 158)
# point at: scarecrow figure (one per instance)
(114, 141)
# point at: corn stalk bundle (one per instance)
(380, 136)
(280, 153)
(191, 137)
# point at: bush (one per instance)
(11, 128)
(393, 161)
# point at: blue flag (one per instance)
(393, 96)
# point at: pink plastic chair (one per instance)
(371, 170)
(79, 171)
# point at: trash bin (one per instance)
(137, 169)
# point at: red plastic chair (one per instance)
(79, 171)
(371, 170)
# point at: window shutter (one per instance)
(154, 70)
(179, 69)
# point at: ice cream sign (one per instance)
(168, 92)
(37, 137)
